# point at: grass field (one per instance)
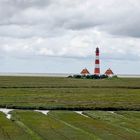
(53, 93)
(49, 128)
(67, 93)
(103, 128)
(10, 131)
(69, 125)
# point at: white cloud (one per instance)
(70, 29)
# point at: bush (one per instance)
(89, 76)
(103, 76)
(70, 76)
(77, 76)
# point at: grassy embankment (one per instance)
(66, 93)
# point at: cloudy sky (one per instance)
(60, 36)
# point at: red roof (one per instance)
(85, 72)
(109, 72)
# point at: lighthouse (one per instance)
(97, 62)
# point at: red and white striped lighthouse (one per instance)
(97, 62)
